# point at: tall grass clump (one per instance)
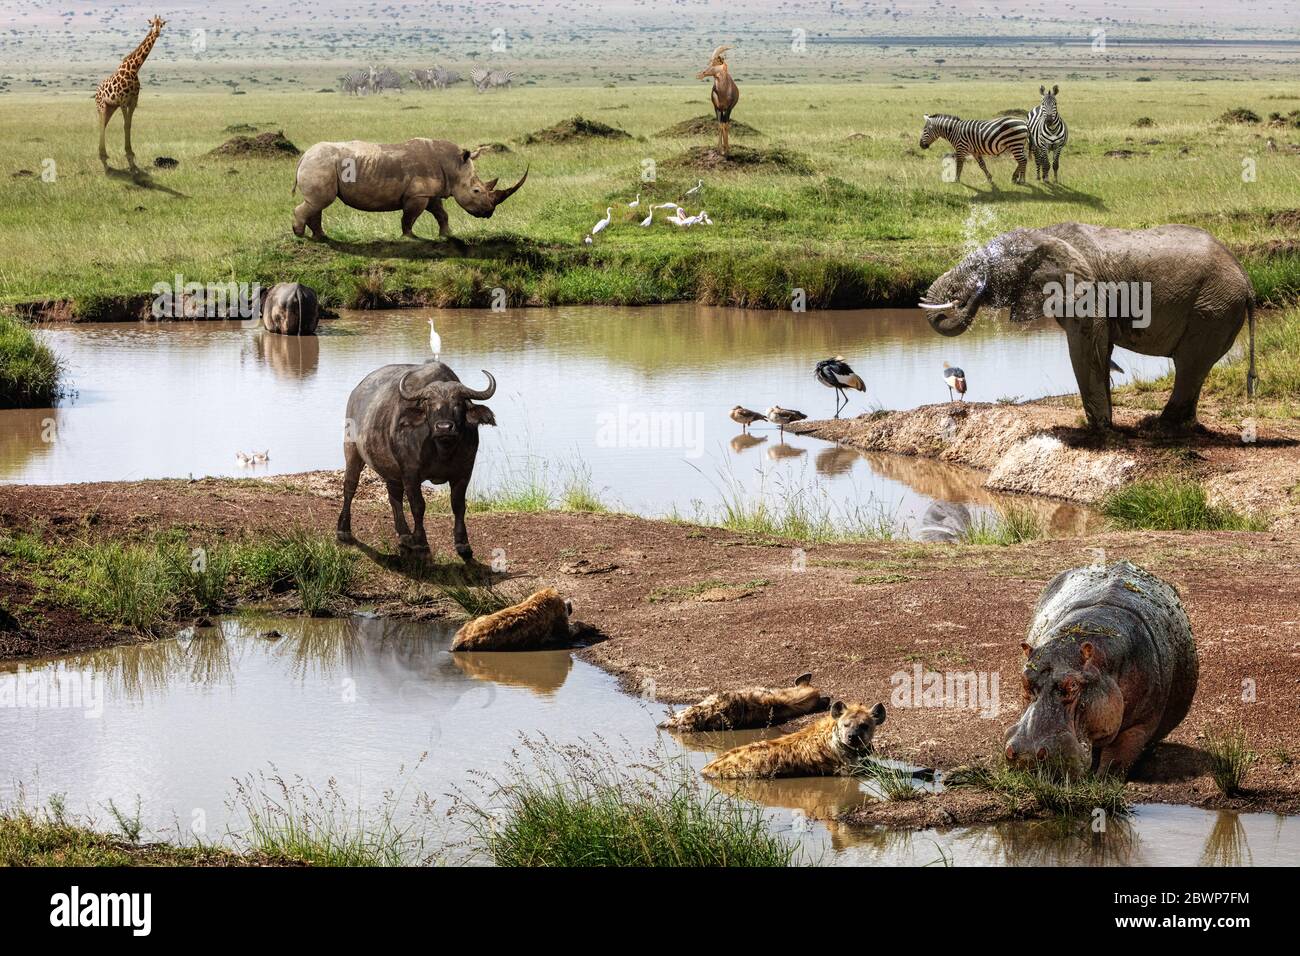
(290, 819)
(1172, 504)
(30, 372)
(1230, 759)
(578, 807)
(1046, 789)
(1013, 523)
(800, 513)
(311, 564)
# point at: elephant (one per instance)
(414, 177)
(1173, 290)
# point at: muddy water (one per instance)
(380, 706)
(637, 398)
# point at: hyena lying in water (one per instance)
(750, 707)
(830, 746)
(540, 620)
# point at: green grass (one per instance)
(1012, 523)
(1172, 504)
(311, 564)
(476, 601)
(149, 586)
(894, 783)
(577, 807)
(533, 489)
(1230, 759)
(288, 819)
(48, 837)
(1045, 790)
(798, 513)
(30, 372)
(868, 222)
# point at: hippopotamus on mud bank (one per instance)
(1110, 669)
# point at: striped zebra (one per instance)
(356, 83)
(485, 80)
(980, 138)
(1048, 135)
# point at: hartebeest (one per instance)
(725, 94)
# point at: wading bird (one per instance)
(835, 373)
(609, 214)
(435, 342)
(744, 417)
(784, 416)
(694, 190)
(648, 219)
(635, 202)
(955, 378)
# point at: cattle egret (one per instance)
(609, 214)
(835, 373)
(648, 219)
(744, 417)
(587, 240)
(695, 190)
(667, 205)
(635, 202)
(784, 416)
(435, 342)
(955, 378)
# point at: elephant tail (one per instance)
(1251, 377)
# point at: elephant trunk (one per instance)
(950, 325)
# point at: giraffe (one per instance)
(122, 89)
(725, 94)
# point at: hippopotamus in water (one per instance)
(1110, 669)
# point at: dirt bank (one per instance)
(1041, 448)
(856, 614)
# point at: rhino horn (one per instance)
(481, 394)
(501, 195)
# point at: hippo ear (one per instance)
(1024, 646)
(878, 714)
(803, 680)
(480, 415)
(837, 709)
(1087, 650)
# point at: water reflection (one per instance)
(288, 356)
(357, 699)
(562, 372)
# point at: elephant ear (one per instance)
(1048, 271)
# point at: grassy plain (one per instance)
(841, 201)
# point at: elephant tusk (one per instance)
(938, 308)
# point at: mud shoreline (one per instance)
(856, 615)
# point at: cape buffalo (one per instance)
(411, 424)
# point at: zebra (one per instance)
(355, 83)
(422, 78)
(484, 79)
(443, 78)
(1048, 135)
(980, 138)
